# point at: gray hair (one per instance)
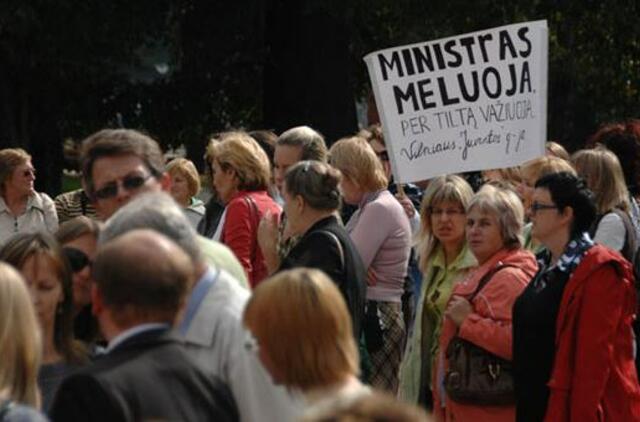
(506, 207)
(157, 211)
(309, 140)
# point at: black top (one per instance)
(150, 376)
(534, 327)
(317, 249)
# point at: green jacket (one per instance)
(436, 288)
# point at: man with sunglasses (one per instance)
(119, 164)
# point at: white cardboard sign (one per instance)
(470, 102)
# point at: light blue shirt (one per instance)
(198, 293)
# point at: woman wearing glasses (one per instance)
(572, 338)
(444, 259)
(78, 238)
(40, 260)
(22, 209)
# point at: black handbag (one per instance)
(476, 376)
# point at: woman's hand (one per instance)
(407, 205)
(268, 240)
(458, 309)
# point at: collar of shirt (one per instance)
(127, 334)
(34, 201)
(198, 293)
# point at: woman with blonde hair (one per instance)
(444, 258)
(22, 209)
(603, 174)
(47, 275)
(381, 232)
(20, 349)
(241, 176)
(185, 185)
(477, 319)
(301, 330)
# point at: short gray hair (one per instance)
(157, 211)
(507, 208)
(309, 140)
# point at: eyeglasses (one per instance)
(449, 212)
(536, 206)
(383, 155)
(129, 183)
(77, 259)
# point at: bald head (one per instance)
(142, 276)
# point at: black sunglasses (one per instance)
(77, 259)
(536, 206)
(128, 183)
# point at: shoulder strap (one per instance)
(487, 278)
(340, 249)
(255, 219)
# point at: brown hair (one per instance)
(77, 227)
(10, 158)
(42, 245)
(138, 288)
(374, 407)
(541, 166)
(301, 320)
(242, 154)
(186, 169)
(316, 182)
(355, 158)
(117, 142)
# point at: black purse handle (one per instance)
(487, 278)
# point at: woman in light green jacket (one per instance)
(444, 259)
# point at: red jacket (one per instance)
(594, 375)
(240, 231)
(488, 326)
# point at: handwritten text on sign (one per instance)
(470, 102)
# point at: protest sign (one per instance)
(470, 102)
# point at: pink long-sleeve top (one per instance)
(381, 232)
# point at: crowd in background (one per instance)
(310, 286)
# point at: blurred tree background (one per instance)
(184, 69)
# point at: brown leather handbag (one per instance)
(476, 376)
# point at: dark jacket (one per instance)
(150, 376)
(342, 263)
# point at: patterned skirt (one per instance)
(385, 362)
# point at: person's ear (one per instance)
(567, 214)
(300, 204)
(97, 304)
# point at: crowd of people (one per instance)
(309, 286)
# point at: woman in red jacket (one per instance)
(573, 343)
(241, 178)
(494, 223)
